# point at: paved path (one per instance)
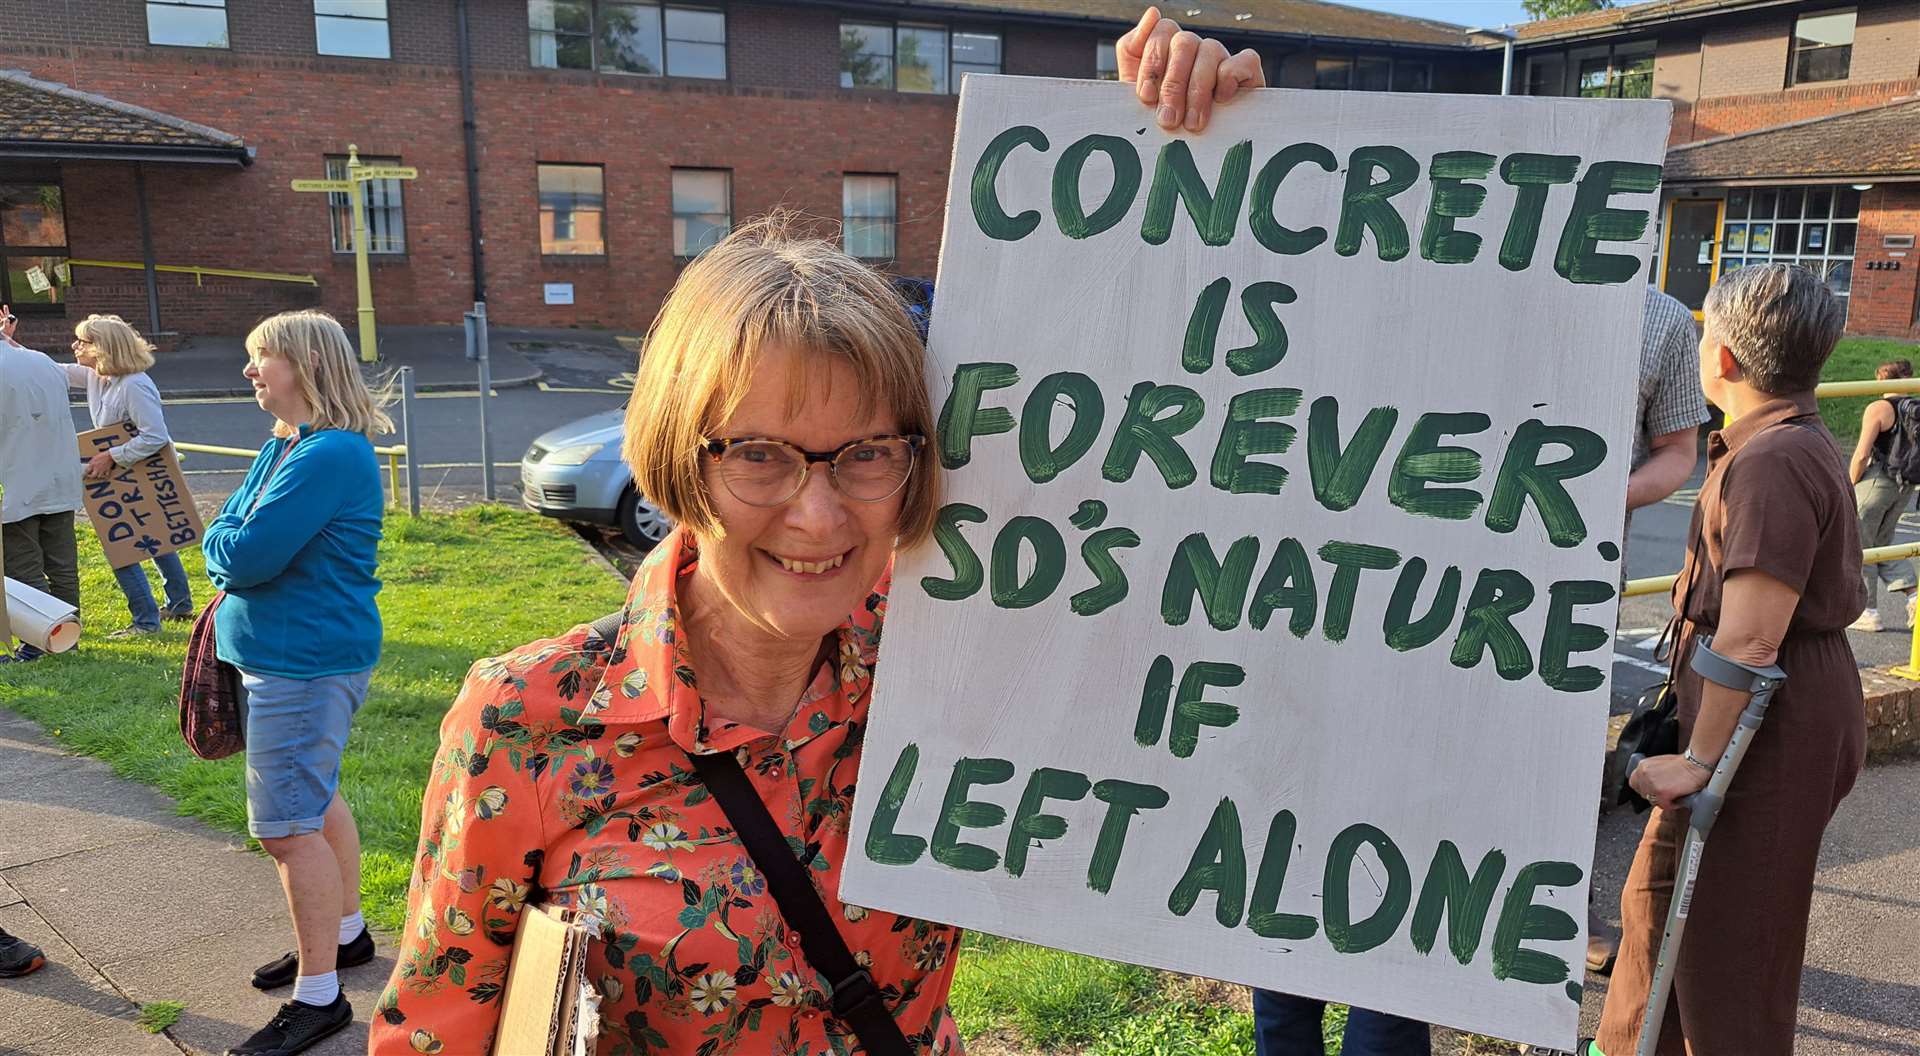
(134, 904)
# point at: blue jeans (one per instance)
(1285, 1025)
(173, 577)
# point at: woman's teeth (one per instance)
(810, 566)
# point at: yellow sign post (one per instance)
(354, 187)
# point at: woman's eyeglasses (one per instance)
(761, 472)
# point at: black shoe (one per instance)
(178, 614)
(279, 973)
(18, 958)
(297, 1027)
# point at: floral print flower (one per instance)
(507, 894)
(747, 879)
(626, 744)
(458, 922)
(490, 804)
(425, 1041)
(786, 989)
(592, 779)
(666, 836)
(713, 992)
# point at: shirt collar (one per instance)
(1771, 413)
(649, 676)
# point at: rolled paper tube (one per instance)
(40, 619)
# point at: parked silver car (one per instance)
(575, 473)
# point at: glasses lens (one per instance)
(873, 470)
(761, 473)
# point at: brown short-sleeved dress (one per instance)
(1783, 506)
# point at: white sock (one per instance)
(318, 990)
(351, 927)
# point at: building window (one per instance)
(645, 39)
(912, 57)
(702, 209)
(868, 216)
(1371, 73)
(356, 28)
(1814, 227)
(34, 273)
(1546, 75)
(1822, 47)
(573, 210)
(1603, 72)
(386, 220)
(187, 23)
(1106, 64)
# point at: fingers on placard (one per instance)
(1238, 73)
(1206, 70)
(1183, 50)
(1154, 55)
(1126, 50)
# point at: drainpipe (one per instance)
(1506, 59)
(469, 129)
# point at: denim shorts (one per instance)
(296, 734)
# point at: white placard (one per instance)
(1267, 627)
(37, 279)
(558, 292)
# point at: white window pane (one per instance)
(363, 38)
(567, 16)
(1106, 65)
(699, 192)
(1833, 27)
(353, 8)
(630, 39)
(920, 58)
(977, 49)
(696, 60)
(705, 27)
(187, 26)
(696, 233)
(866, 56)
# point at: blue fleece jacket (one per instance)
(299, 570)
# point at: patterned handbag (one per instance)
(209, 693)
(209, 686)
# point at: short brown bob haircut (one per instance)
(766, 286)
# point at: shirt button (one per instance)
(793, 940)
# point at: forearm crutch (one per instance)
(1704, 806)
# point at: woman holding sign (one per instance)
(295, 551)
(778, 416)
(112, 361)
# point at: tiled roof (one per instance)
(1623, 18)
(1298, 18)
(1880, 141)
(52, 115)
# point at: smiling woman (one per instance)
(778, 417)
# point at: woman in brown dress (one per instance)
(1773, 574)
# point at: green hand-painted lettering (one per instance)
(963, 418)
(1454, 199)
(883, 844)
(1190, 712)
(1221, 585)
(987, 211)
(1124, 799)
(1336, 904)
(1423, 461)
(1563, 637)
(1497, 596)
(1286, 584)
(1405, 633)
(1043, 459)
(1068, 211)
(1049, 562)
(1030, 826)
(967, 573)
(1263, 918)
(1347, 560)
(1464, 900)
(958, 812)
(1260, 219)
(1523, 476)
(1521, 920)
(1339, 477)
(1593, 221)
(1141, 429)
(1248, 432)
(1534, 175)
(1219, 864)
(1365, 203)
(1216, 212)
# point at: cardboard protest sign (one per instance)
(143, 510)
(1267, 626)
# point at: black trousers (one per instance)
(41, 553)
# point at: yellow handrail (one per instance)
(200, 273)
(393, 455)
(1637, 588)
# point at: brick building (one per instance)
(594, 145)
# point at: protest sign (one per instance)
(1266, 630)
(143, 510)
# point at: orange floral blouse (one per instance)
(563, 768)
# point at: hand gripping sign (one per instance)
(1265, 631)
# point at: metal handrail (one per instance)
(200, 273)
(1637, 588)
(393, 455)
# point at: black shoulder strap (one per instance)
(856, 998)
(608, 626)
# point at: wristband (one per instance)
(1697, 761)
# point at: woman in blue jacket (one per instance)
(295, 551)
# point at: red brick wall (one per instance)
(1885, 302)
(1726, 115)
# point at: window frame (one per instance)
(1353, 60)
(64, 251)
(892, 218)
(1105, 50)
(385, 20)
(1795, 50)
(226, 27)
(338, 200)
(1618, 62)
(596, 64)
(674, 213)
(947, 29)
(540, 207)
(1741, 215)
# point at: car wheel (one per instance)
(642, 525)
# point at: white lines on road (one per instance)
(544, 387)
(1644, 665)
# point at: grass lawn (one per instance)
(1854, 360)
(472, 584)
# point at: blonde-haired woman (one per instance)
(778, 416)
(113, 360)
(294, 550)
